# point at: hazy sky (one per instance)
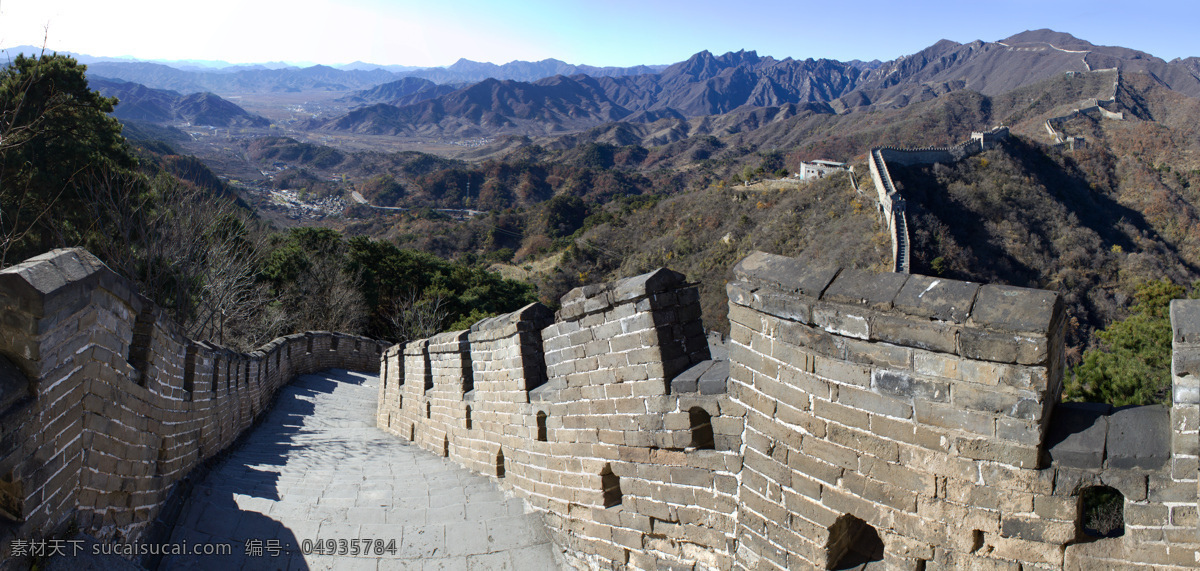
(605, 32)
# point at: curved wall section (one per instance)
(106, 404)
(859, 417)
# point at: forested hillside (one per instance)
(68, 178)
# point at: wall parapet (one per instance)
(113, 405)
(917, 411)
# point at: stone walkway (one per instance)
(319, 469)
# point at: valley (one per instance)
(564, 180)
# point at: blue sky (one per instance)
(612, 32)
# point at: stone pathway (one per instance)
(318, 469)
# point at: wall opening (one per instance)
(468, 374)
(333, 343)
(189, 373)
(541, 426)
(428, 410)
(139, 347)
(500, 463)
(702, 430)
(412, 432)
(309, 338)
(216, 364)
(610, 487)
(1102, 512)
(428, 368)
(536, 373)
(468, 419)
(12, 500)
(976, 540)
(853, 543)
(445, 446)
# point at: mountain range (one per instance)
(707, 84)
(190, 77)
(140, 103)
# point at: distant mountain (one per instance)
(707, 84)
(140, 103)
(315, 78)
(401, 92)
(467, 71)
(364, 66)
(184, 65)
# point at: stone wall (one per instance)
(891, 202)
(593, 417)
(908, 418)
(105, 404)
(1091, 107)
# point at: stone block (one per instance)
(657, 281)
(787, 274)
(788, 307)
(687, 381)
(879, 354)
(874, 402)
(1139, 437)
(808, 337)
(842, 372)
(1016, 309)
(949, 417)
(1021, 404)
(902, 385)
(921, 334)
(937, 298)
(988, 449)
(858, 287)
(1003, 347)
(1077, 434)
(1037, 529)
(1185, 321)
(715, 380)
(841, 321)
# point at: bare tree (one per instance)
(413, 316)
(191, 252)
(326, 298)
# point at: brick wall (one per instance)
(579, 413)
(920, 411)
(106, 404)
(910, 418)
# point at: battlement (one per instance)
(106, 404)
(891, 417)
(918, 411)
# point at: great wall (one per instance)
(896, 420)
(911, 413)
(887, 417)
(891, 201)
(105, 405)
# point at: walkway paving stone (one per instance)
(318, 469)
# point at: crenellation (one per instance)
(919, 411)
(120, 404)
